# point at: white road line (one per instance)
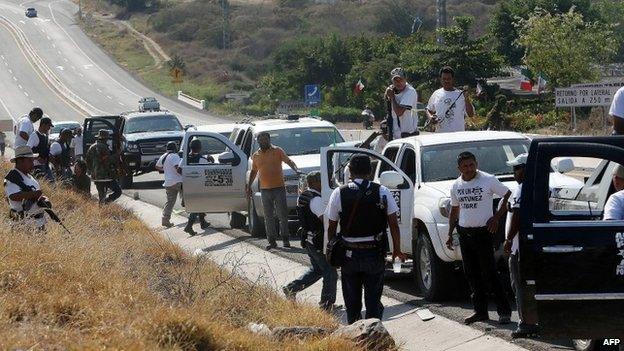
(2, 56)
(5, 63)
(109, 97)
(47, 36)
(6, 109)
(65, 59)
(20, 86)
(121, 103)
(89, 82)
(22, 22)
(54, 45)
(10, 71)
(81, 75)
(15, 79)
(59, 52)
(25, 93)
(73, 67)
(99, 90)
(32, 101)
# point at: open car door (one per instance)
(334, 161)
(93, 125)
(572, 261)
(217, 183)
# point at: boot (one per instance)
(189, 229)
(203, 222)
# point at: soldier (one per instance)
(60, 155)
(310, 211)
(23, 191)
(103, 168)
(195, 157)
(39, 143)
(364, 210)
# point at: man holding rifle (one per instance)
(447, 106)
(402, 98)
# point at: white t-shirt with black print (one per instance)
(449, 119)
(475, 199)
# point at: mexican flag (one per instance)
(359, 86)
(525, 82)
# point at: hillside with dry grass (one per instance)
(113, 283)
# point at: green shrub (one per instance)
(336, 114)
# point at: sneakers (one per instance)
(289, 293)
(204, 224)
(476, 317)
(525, 331)
(189, 229)
(167, 224)
(504, 319)
(271, 247)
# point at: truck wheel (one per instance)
(256, 227)
(237, 220)
(126, 181)
(432, 275)
(584, 344)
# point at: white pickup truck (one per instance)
(419, 171)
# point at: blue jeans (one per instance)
(364, 269)
(319, 269)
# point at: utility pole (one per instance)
(440, 20)
(225, 10)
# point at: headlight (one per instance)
(132, 147)
(445, 206)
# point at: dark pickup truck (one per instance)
(572, 261)
(142, 137)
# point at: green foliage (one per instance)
(176, 62)
(564, 47)
(340, 114)
(612, 12)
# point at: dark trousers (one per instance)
(364, 269)
(320, 269)
(102, 189)
(196, 218)
(477, 252)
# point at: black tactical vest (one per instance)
(43, 149)
(370, 218)
(308, 220)
(65, 155)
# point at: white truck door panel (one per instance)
(333, 162)
(217, 186)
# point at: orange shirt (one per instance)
(269, 166)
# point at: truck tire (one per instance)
(125, 182)
(237, 220)
(256, 226)
(584, 344)
(432, 275)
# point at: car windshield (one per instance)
(152, 124)
(303, 141)
(60, 126)
(439, 162)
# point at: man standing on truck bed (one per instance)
(447, 106)
(267, 164)
(471, 213)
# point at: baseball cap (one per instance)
(619, 171)
(46, 120)
(520, 160)
(397, 72)
(172, 146)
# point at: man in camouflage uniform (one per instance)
(103, 165)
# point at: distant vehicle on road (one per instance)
(58, 126)
(149, 104)
(31, 12)
(142, 137)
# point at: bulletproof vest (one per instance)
(65, 155)
(43, 149)
(308, 220)
(16, 178)
(370, 216)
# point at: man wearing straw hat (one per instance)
(23, 191)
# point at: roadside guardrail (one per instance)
(197, 103)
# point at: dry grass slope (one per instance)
(113, 283)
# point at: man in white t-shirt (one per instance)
(169, 164)
(23, 191)
(472, 215)
(447, 106)
(527, 325)
(39, 143)
(195, 157)
(403, 98)
(614, 207)
(25, 126)
(76, 144)
(616, 111)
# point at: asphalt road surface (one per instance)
(49, 62)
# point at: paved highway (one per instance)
(49, 62)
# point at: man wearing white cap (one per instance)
(403, 98)
(614, 208)
(23, 191)
(526, 325)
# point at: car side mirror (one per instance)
(564, 165)
(391, 179)
(188, 126)
(229, 157)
